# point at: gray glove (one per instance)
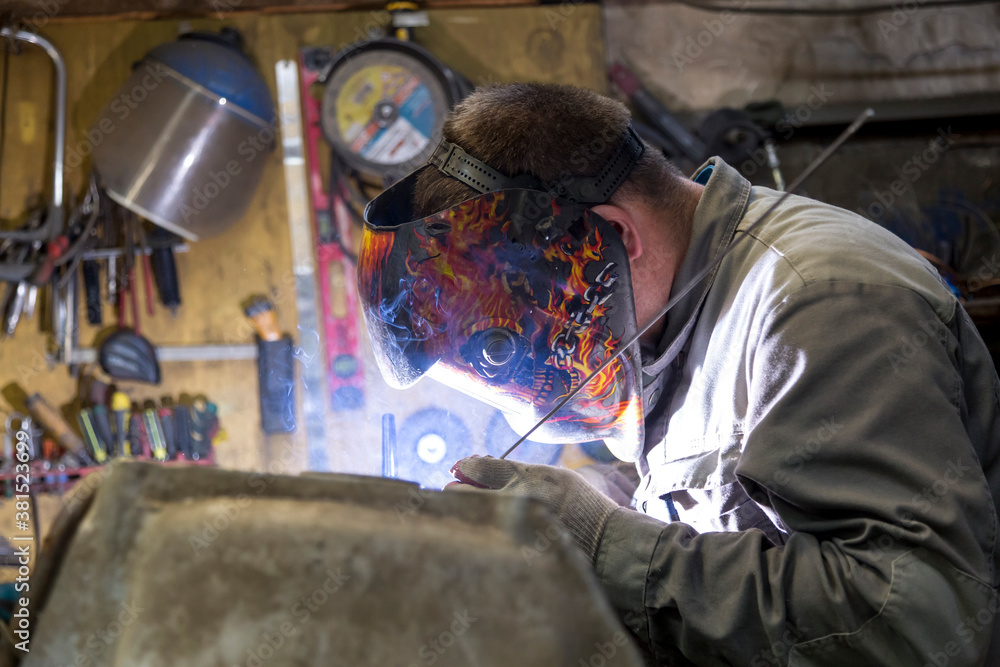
(579, 507)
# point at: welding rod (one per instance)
(388, 445)
(806, 173)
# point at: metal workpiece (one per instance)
(312, 569)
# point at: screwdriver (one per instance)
(102, 426)
(99, 449)
(120, 406)
(169, 431)
(201, 433)
(182, 428)
(138, 436)
(154, 431)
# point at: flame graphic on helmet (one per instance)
(465, 272)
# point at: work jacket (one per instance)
(822, 463)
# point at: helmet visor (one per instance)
(513, 297)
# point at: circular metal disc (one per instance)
(383, 111)
(428, 444)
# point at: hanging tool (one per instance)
(121, 413)
(169, 428)
(336, 273)
(406, 16)
(165, 268)
(154, 431)
(97, 446)
(102, 426)
(384, 102)
(147, 272)
(275, 368)
(126, 354)
(137, 435)
(182, 427)
(37, 270)
(54, 423)
(92, 290)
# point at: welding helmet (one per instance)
(514, 297)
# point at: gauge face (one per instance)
(383, 111)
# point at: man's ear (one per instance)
(625, 224)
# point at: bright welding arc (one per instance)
(806, 173)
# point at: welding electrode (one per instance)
(120, 407)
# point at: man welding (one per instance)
(816, 423)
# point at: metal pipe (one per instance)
(169, 353)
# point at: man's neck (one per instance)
(674, 245)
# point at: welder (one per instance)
(816, 424)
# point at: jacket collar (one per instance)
(722, 206)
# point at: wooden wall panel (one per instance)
(488, 45)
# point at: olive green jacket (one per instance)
(823, 425)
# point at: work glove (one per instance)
(580, 508)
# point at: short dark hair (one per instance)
(548, 131)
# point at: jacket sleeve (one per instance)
(855, 439)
